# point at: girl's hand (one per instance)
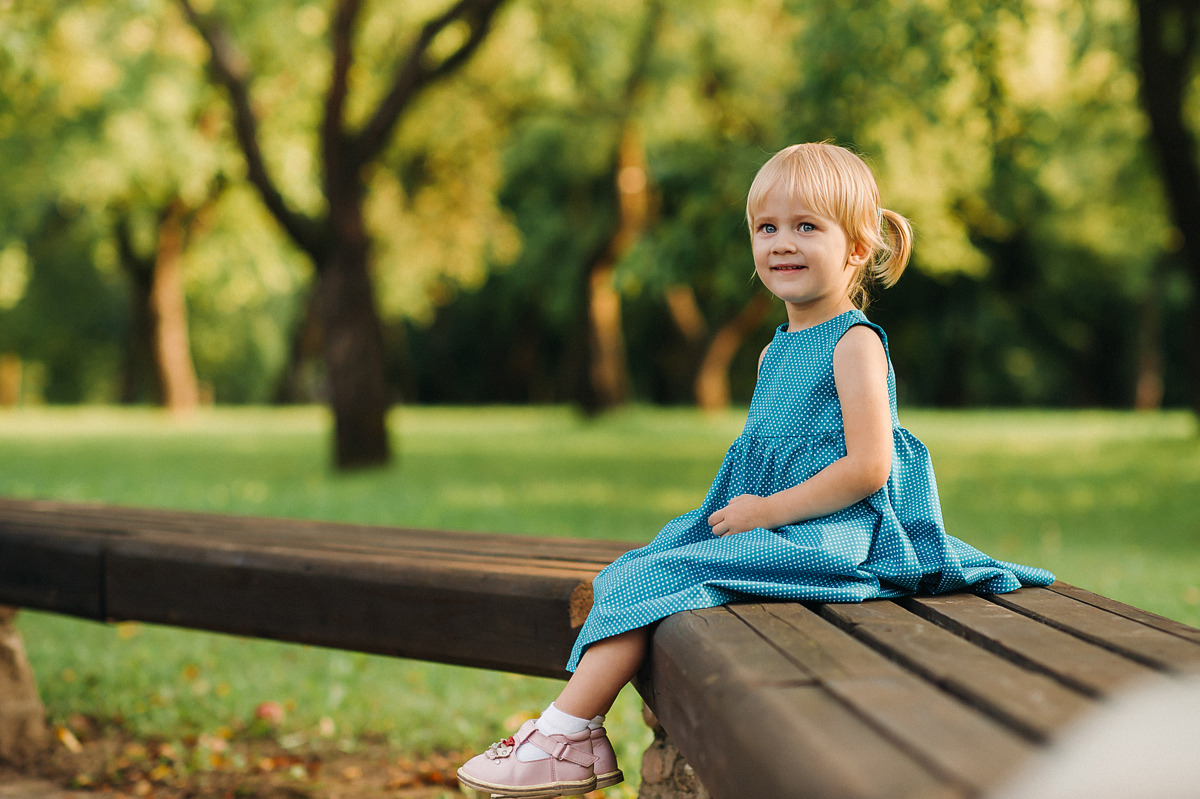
(743, 513)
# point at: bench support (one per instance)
(665, 772)
(23, 734)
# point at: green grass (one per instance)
(1107, 500)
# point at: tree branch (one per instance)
(232, 70)
(416, 72)
(333, 126)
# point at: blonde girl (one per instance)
(823, 497)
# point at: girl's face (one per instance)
(804, 259)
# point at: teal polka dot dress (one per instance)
(890, 544)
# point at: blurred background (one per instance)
(388, 215)
(525, 201)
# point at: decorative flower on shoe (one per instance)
(501, 749)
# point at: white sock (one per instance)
(552, 722)
(596, 723)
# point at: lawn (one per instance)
(1107, 500)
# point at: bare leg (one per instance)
(601, 674)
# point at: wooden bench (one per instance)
(509, 603)
(922, 697)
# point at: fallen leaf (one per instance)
(160, 772)
(68, 739)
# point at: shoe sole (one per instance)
(609, 779)
(602, 781)
(546, 791)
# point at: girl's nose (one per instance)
(785, 242)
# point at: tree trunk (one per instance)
(168, 313)
(685, 313)
(139, 376)
(609, 370)
(1168, 36)
(1148, 390)
(10, 380)
(353, 341)
(712, 381)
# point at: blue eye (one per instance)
(807, 227)
(767, 228)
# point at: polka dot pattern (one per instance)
(890, 544)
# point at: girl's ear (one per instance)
(859, 254)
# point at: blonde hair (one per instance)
(836, 183)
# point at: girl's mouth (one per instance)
(788, 268)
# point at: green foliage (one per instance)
(1008, 130)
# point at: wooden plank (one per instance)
(969, 749)
(123, 521)
(1030, 702)
(424, 594)
(1078, 664)
(64, 574)
(1128, 611)
(752, 724)
(25, 542)
(1132, 639)
(504, 620)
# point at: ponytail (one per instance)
(899, 238)
(891, 248)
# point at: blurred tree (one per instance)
(995, 125)
(718, 110)
(1009, 130)
(579, 155)
(76, 87)
(337, 238)
(1168, 46)
(116, 133)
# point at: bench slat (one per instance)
(334, 536)
(969, 749)
(1154, 620)
(1076, 663)
(63, 574)
(738, 707)
(504, 620)
(1028, 701)
(1131, 639)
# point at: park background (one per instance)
(484, 265)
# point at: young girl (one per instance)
(824, 497)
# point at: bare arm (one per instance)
(860, 374)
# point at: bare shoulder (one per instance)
(860, 350)
(859, 341)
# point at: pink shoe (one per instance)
(567, 772)
(606, 769)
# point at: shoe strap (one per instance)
(561, 750)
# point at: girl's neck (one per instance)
(801, 317)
